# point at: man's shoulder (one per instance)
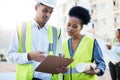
(52, 26)
(24, 22)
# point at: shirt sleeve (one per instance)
(98, 57)
(116, 49)
(13, 54)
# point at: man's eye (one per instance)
(45, 10)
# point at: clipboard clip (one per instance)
(61, 55)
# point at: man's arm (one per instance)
(13, 54)
(16, 57)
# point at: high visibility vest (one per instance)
(25, 71)
(83, 54)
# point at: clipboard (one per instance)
(50, 64)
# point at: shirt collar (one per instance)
(35, 24)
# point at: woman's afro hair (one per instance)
(81, 13)
(118, 30)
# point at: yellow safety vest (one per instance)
(84, 54)
(25, 71)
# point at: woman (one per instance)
(81, 48)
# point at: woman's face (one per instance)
(74, 26)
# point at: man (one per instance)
(32, 41)
(115, 48)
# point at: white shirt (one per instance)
(116, 48)
(39, 43)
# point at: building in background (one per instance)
(105, 16)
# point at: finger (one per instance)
(65, 68)
(62, 69)
(43, 56)
(41, 52)
(41, 59)
(58, 69)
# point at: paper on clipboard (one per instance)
(50, 64)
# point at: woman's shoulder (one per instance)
(88, 37)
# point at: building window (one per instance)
(101, 7)
(93, 25)
(117, 16)
(114, 3)
(115, 19)
(92, 11)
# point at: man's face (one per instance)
(43, 13)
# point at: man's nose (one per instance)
(48, 14)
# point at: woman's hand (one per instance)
(62, 69)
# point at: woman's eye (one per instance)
(74, 26)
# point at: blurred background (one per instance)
(105, 16)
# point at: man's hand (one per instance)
(37, 56)
(62, 69)
(92, 71)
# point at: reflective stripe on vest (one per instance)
(25, 71)
(52, 31)
(83, 53)
(73, 70)
(22, 37)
